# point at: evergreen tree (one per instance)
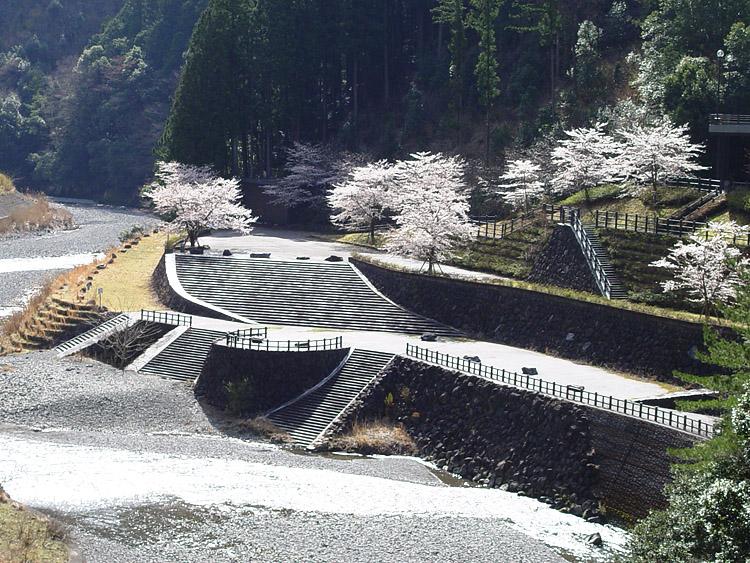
(482, 19)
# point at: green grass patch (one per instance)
(607, 198)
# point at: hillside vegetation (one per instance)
(86, 92)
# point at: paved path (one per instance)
(288, 245)
(498, 355)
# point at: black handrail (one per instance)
(260, 343)
(166, 317)
(574, 393)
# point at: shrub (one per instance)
(375, 437)
(6, 184)
(739, 200)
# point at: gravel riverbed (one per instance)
(138, 471)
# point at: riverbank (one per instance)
(27, 536)
(139, 471)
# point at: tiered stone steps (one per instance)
(306, 419)
(183, 359)
(297, 293)
(92, 336)
(618, 290)
(54, 319)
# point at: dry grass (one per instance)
(37, 215)
(6, 184)
(375, 437)
(261, 426)
(27, 537)
(26, 316)
(125, 282)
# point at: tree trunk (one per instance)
(233, 167)
(372, 231)
(386, 83)
(487, 136)
(245, 157)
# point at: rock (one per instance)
(473, 359)
(196, 250)
(334, 258)
(595, 539)
(303, 257)
(226, 252)
(429, 337)
(570, 337)
(529, 371)
(260, 255)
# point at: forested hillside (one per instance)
(480, 78)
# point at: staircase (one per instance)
(297, 294)
(183, 359)
(92, 336)
(616, 288)
(55, 320)
(307, 418)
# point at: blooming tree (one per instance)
(522, 183)
(585, 159)
(197, 199)
(362, 200)
(652, 154)
(432, 206)
(706, 268)
(310, 170)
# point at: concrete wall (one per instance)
(568, 455)
(271, 378)
(597, 334)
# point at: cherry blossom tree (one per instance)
(433, 208)
(311, 169)
(362, 200)
(522, 183)
(196, 199)
(654, 153)
(585, 159)
(707, 269)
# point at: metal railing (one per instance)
(573, 393)
(686, 210)
(661, 226)
(493, 228)
(262, 344)
(597, 268)
(703, 184)
(166, 317)
(729, 119)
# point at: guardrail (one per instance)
(574, 393)
(166, 317)
(262, 344)
(661, 226)
(703, 184)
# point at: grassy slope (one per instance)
(24, 536)
(126, 283)
(606, 198)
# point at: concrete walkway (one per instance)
(550, 368)
(289, 245)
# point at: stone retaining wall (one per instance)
(597, 334)
(563, 264)
(568, 455)
(267, 379)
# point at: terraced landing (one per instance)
(297, 294)
(183, 359)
